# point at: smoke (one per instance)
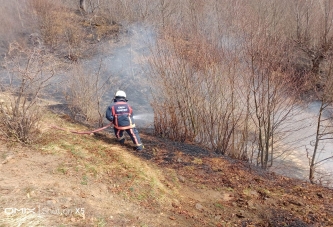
(125, 61)
(295, 163)
(13, 21)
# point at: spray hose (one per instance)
(82, 132)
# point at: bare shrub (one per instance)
(84, 92)
(29, 73)
(324, 125)
(192, 100)
(49, 19)
(228, 98)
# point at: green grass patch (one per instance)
(92, 169)
(62, 169)
(229, 189)
(218, 206)
(84, 180)
(101, 222)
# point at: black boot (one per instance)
(139, 148)
(122, 141)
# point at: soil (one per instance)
(89, 180)
(63, 179)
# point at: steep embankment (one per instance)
(89, 180)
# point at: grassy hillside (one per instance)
(65, 179)
(90, 180)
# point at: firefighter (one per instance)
(120, 113)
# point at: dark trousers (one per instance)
(132, 132)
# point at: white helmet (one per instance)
(120, 94)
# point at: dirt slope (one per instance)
(72, 180)
(34, 180)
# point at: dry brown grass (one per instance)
(67, 32)
(113, 184)
(59, 26)
(100, 157)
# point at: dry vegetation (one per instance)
(56, 37)
(225, 75)
(170, 184)
(228, 77)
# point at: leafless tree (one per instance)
(29, 73)
(324, 128)
(313, 38)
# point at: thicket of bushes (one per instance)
(232, 74)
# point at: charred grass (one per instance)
(188, 185)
